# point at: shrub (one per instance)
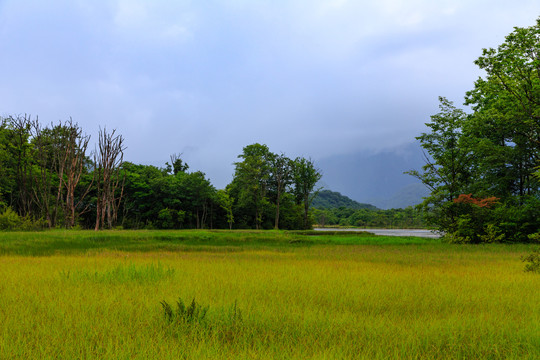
(534, 237)
(11, 221)
(492, 234)
(533, 260)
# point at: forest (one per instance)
(49, 179)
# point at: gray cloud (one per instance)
(314, 78)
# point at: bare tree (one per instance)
(75, 145)
(109, 179)
(61, 156)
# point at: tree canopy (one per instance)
(490, 153)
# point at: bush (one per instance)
(533, 260)
(11, 221)
(534, 237)
(492, 235)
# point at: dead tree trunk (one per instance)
(75, 147)
(109, 179)
(60, 156)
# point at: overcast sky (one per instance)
(205, 78)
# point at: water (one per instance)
(391, 232)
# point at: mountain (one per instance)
(408, 195)
(376, 177)
(327, 199)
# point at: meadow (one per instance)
(263, 295)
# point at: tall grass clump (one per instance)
(224, 326)
(184, 315)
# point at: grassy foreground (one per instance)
(71, 295)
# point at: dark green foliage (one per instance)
(46, 174)
(10, 220)
(156, 199)
(447, 169)
(492, 152)
(305, 177)
(272, 191)
(393, 218)
(327, 199)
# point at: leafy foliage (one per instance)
(482, 167)
(45, 173)
(409, 217)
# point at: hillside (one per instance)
(327, 199)
(376, 178)
(409, 195)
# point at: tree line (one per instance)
(50, 179)
(407, 218)
(482, 167)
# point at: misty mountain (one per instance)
(327, 199)
(408, 195)
(376, 177)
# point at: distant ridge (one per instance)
(409, 195)
(327, 199)
(377, 177)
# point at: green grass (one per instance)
(72, 295)
(74, 242)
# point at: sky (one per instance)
(312, 78)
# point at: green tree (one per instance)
(196, 196)
(251, 178)
(177, 165)
(280, 178)
(226, 203)
(20, 160)
(6, 176)
(491, 153)
(305, 176)
(447, 169)
(505, 125)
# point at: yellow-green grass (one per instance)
(426, 300)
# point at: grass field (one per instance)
(277, 295)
